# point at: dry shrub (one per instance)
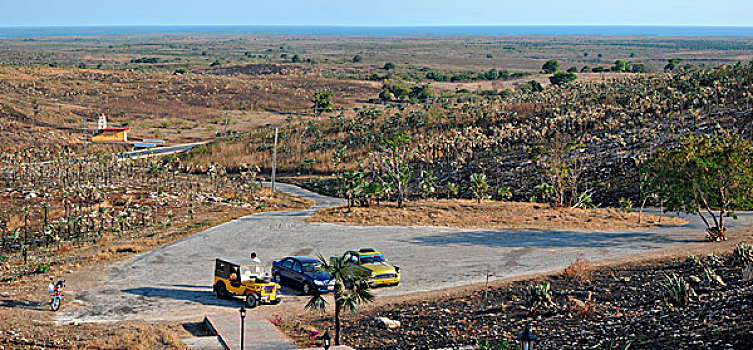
(65, 248)
(126, 248)
(584, 308)
(579, 270)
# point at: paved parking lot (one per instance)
(174, 282)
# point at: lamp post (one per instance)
(243, 322)
(527, 338)
(326, 340)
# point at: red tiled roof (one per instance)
(117, 129)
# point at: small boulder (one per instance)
(387, 323)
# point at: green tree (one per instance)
(479, 186)
(709, 176)
(353, 186)
(427, 183)
(551, 66)
(561, 78)
(392, 162)
(322, 102)
(351, 290)
(619, 66)
(672, 63)
(385, 95)
(421, 93)
(572, 69)
(389, 66)
(357, 58)
(296, 58)
(638, 68)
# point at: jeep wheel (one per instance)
(306, 289)
(251, 301)
(221, 290)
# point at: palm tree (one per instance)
(351, 289)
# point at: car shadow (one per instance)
(543, 239)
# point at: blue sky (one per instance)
(376, 12)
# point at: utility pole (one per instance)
(274, 163)
(86, 134)
(226, 122)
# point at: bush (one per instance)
(389, 65)
(676, 292)
(626, 205)
(3, 258)
(43, 268)
(495, 344)
(181, 71)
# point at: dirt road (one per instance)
(174, 282)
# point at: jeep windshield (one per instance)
(372, 259)
(311, 266)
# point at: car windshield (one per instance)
(372, 259)
(250, 272)
(311, 266)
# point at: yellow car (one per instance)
(375, 267)
(244, 279)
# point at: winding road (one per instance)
(173, 283)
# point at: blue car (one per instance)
(302, 272)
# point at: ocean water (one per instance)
(662, 31)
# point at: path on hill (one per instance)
(174, 282)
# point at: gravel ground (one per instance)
(173, 283)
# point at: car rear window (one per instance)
(311, 266)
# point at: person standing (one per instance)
(254, 258)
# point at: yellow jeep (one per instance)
(249, 280)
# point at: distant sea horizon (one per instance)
(453, 30)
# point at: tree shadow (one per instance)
(543, 239)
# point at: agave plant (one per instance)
(692, 260)
(712, 259)
(539, 297)
(675, 292)
(612, 344)
(711, 278)
(742, 254)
